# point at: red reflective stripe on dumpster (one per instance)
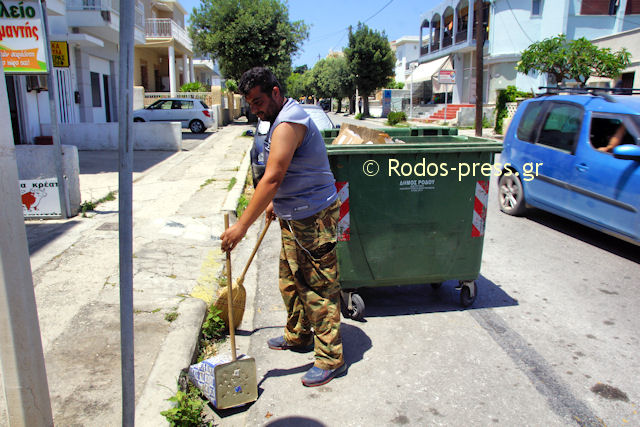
(480, 209)
(343, 220)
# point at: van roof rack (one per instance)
(604, 92)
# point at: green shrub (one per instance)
(188, 409)
(231, 85)
(213, 326)
(193, 87)
(395, 117)
(359, 116)
(509, 94)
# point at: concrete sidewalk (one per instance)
(177, 203)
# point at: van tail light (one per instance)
(206, 113)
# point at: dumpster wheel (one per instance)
(468, 292)
(352, 305)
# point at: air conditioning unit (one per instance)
(37, 83)
(106, 15)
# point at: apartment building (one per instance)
(86, 85)
(510, 26)
(407, 50)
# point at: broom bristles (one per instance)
(238, 304)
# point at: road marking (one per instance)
(558, 394)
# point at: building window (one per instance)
(95, 89)
(633, 7)
(599, 7)
(535, 7)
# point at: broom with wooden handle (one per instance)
(239, 292)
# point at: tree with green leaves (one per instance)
(572, 59)
(298, 85)
(247, 33)
(371, 61)
(333, 79)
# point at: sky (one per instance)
(329, 21)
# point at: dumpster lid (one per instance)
(425, 147)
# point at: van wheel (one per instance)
(138, 120)
(196, 126)
(511, 195)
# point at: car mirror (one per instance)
(627, 152)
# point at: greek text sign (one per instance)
(40, 197)
(22, 37)
(60, 54)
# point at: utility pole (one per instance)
(479, 14)
(21, 356)
(65, 205)
(125, 214)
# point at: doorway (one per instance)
(107, 104)
(13, 109)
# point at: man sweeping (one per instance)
(297, 187)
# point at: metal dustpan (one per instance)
(235, 382)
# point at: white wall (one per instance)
(38, 161)
(104, 136)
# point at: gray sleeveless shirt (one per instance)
(308, 186)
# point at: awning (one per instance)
(425, 71)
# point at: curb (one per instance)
(231, 202)
(176, 353)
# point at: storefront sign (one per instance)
(386, 102)
(40, 197)
(60, 54)
(447, 77)
(22, 37)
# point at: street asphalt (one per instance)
(528, 352)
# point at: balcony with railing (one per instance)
(165, 28)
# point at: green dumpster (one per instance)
(402, 132)
(419, 131)
(411, 214)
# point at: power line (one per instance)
(383, 8)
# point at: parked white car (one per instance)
(191, 113)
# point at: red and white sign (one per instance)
(344, 232)
(40, 197)
(480, 209)
(447, 77)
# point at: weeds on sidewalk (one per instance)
(231, 183)
(90, 205)
(246, 195)
(189, 403)
(187, 410)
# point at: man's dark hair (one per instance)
(258, 76)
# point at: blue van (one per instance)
(577, 156)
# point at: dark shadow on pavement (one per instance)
(355, 344)
(245, 333)
(423, 298)
(188, 135)
(295, 422)
(588, 235)
(272, 373)
(92, 162)
(41, 233)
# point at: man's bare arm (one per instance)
(286, 138)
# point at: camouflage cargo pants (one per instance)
(309, 285)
